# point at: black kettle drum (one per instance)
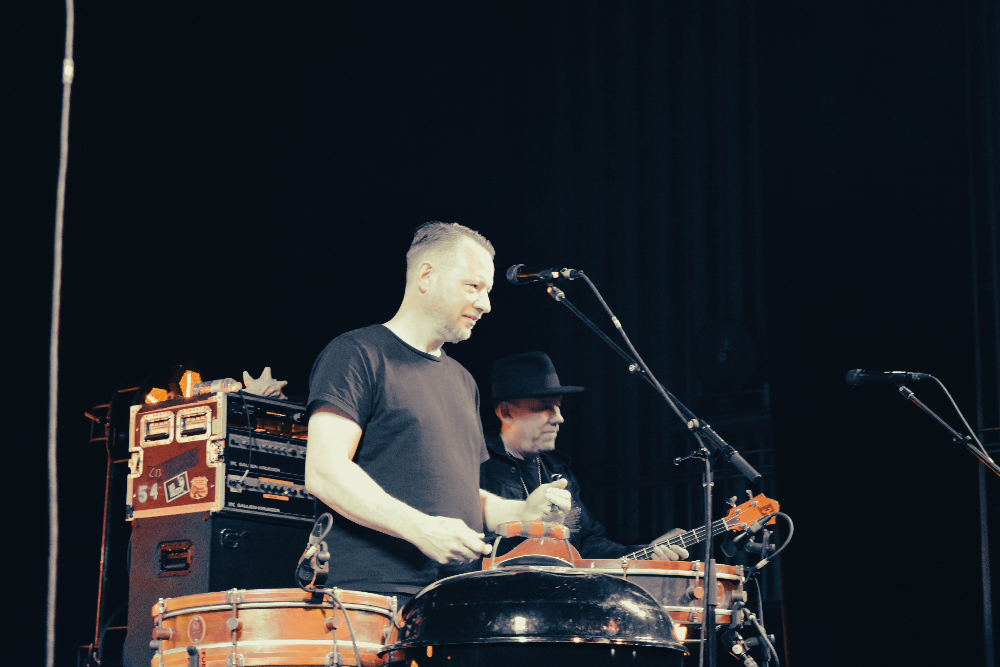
(534, 616)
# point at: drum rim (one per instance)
(694, 610)
(243, 645)
(650, 572)
(350, 606)
(255, 596)
(517, 639)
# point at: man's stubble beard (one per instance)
(448, 331)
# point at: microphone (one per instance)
(858, 376)
(313, 567)
(737, 647)
(738, 543)
(519, 274)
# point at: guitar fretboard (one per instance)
(691, 538)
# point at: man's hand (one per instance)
(265, 385)
(448, 540)
(549, 502)
(663, 552)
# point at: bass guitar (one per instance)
(548, 544)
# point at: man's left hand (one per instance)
(664, 552)
(549, 502)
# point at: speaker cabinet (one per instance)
(184, 554)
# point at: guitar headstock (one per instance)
(741, 516)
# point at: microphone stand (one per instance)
(956, 437)
(703, 434)
(637, 366)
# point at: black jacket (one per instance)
(499, 475)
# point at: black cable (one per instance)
(340, 605)
(642, 364)
(246, 413)
(708, 609)
(760, 613)
(767, 559)
(763, 637)
(314, 543)
(107, 624)
(961, 416)
(694, 425)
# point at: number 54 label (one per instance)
(147, 491)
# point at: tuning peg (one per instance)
(749, 494)
(731, 502)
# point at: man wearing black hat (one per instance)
(527, 398)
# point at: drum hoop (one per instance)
(633, 571)
(696, 610)
(277, 605)
(516, 639)
(242, 645)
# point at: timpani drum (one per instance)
(534, 616)
(281, 626)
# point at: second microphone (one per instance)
(519, 274)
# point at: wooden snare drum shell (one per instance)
(672, 584)
(278, 627)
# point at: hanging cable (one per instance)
(961, 416)
(67, 77)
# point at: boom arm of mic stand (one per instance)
(560, 296)
(956, 436)
(696, 426)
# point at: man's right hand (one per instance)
(448, 540)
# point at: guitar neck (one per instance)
(684, 540)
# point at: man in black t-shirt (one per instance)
(395, 440)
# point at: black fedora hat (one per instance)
(527, 375)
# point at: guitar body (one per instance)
(537, 551)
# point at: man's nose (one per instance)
(557, 417)
(483, 302)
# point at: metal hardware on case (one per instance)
(135, 464)
(156, 428)
(194, 423)
(215, 452)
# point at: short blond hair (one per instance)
(441, 237)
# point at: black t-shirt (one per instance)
(422, 442)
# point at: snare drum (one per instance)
(280, 626)
(678, 586)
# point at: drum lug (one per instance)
(159, 633)
(392, 619)
(234, 596)
(333, 657)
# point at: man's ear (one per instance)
(503, 412)
(425, 272)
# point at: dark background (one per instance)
(244, 180)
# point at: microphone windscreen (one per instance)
(512, 273)
(854, 377)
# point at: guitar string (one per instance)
(718, 527)
(699, 535)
